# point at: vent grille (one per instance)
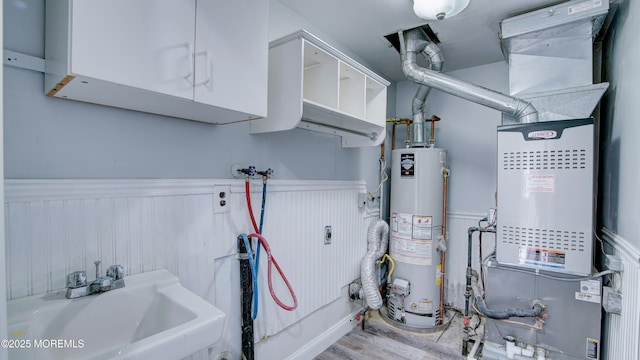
(391, 310)
(563, 240)
(545, 160)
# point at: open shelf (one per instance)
(314, 86)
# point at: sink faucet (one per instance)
(77, 281)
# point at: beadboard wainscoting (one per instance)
(458, 224)
(54, 227)
(622, 332)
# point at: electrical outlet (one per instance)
(362, 200)
(354, 291)
(221, 199)
(327, 235)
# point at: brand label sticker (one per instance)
(588, 297)
(590, 287)
(407, 165)
(542, 134)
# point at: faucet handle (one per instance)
(77, 279)
(116, 272)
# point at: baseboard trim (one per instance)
(326, 339)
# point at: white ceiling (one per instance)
(467, 39)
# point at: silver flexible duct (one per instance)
(410, 46)
(377, 242)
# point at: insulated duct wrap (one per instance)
(377, 242)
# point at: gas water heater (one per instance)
(416, 203)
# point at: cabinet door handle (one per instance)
(188, 76)
(208, 65)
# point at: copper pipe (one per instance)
(393, 137)
(433, 120)
(445, 180)
(397, 121)
(433, 130)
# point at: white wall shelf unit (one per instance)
(209, 65)
(314, 86)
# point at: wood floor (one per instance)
(382, 341)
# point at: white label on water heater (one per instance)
(422, 226)
(410, 239)
(411, 251)
(402, 224)
(540, 183)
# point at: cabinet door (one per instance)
(231, 54)
(145, 44)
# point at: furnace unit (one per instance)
(545, 196)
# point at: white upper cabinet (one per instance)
(316, 87)
(232, 54)
(203, 60)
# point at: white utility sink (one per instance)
(152, 317)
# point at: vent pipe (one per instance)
(413, 42)
(432, 53)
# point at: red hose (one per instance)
(253, 220)
(273, 261)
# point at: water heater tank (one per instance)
(415, 225)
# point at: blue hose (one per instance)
(257, 261)
(264, 200)
(254, 275)
(254, 261)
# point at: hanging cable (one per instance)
(254, 274)
(272, 261)
(246, 296)
(383, 177)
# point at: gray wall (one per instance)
(467, 131)
(3, 277)
(55, 138)
(619, 193)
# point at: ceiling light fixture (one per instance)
(438, 9)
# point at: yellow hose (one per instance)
(393, 264)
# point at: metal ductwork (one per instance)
(414, 41)
(433, 55)
(550, 56)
